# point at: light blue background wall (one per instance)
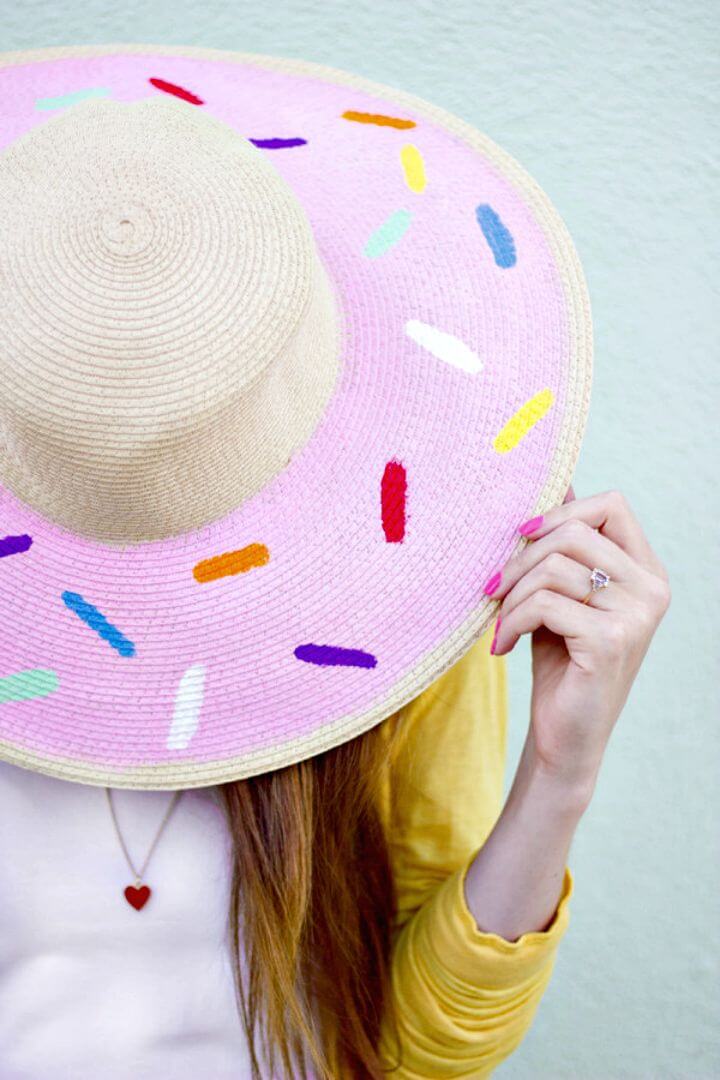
(610, 107)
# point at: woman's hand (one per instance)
(585, 656)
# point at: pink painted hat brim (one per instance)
(332, 577)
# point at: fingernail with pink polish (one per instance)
(494, 640)
(492, 583)
(531, 525)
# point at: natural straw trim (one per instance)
(560, 468)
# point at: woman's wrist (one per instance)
(514, 883)
(568, 789)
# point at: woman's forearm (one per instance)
(514, 883)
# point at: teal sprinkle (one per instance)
(22, 685)
(71, 99)
(387, 234)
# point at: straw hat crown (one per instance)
(171, 335)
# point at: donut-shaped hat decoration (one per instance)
(286, 356)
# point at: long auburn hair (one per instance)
(312, 904)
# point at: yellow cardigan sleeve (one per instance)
(464, 999)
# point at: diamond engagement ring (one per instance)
(598, 580)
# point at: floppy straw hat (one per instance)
(286, 356)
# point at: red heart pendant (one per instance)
(137, 898)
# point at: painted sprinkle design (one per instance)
(335, 656)
(14, 545)
(377, 118)
(24, 685)
(387, 235)
(188, 703)
(176, 91)
(497, 235)
(444, 346)
(278, 144)
(72, 98)
(393, 490)
(97, 622)
(413, 165)
(231, 562)
(522, 421)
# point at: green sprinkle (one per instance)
(387, 234)
(28, 684)
(71, 99)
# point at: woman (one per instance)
(385, 911)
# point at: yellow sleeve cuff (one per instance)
(483, 958)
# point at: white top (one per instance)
(89, 987)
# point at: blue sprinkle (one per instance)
(497, 235)
(97, 622)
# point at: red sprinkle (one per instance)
(393, 492)
(176, 91)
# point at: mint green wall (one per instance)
(609, 106)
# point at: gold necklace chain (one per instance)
(139, 874)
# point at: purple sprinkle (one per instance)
(335, 655)
(277, 144)
(13, 545)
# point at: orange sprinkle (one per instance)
(378, 118)
(231, 562)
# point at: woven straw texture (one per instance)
(286, 357)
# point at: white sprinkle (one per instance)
(188, 702)
(444, 346)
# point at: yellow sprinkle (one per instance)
(522, 421)
(413, 167)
